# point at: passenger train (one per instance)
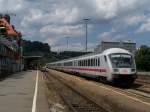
(113, 65)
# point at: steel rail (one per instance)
(75, 107)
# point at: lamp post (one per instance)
(67, 38)
(86, 31)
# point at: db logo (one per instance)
(125, 71)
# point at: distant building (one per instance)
(130, 46)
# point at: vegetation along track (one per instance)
(72, 98)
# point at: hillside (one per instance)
(36, 48)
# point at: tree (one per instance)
(143, 58)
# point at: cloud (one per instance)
(107, 36)
(112, 35)
(10, 6)
(145, 26)
(65, 30)
(73, 46)
(52, 20)
(70, 12)
(51, 40)
(132, 20)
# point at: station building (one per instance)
(128, 45)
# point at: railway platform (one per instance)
(23, 92)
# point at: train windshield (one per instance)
(122, 61)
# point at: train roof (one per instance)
(115, 50)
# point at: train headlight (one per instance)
(132, 70)
(116, 70)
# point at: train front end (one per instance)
(123, 68)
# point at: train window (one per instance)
(92, 60)
(89, 62)
(98, 61)
(69, 63)
(86, 62)
(95, 61)
(105, 58)
(82, 62)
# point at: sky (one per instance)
(55, 21)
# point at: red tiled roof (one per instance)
(9, 28)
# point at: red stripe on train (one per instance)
(90, 69)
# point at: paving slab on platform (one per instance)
(17, 93)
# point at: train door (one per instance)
(97, 65)
(103, 65)
(107, 67)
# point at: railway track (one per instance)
(76, 101)
(144, 82)
(139, 92)
(142, 88)
(143, 79)
(147, 82)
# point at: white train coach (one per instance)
(113, 65)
